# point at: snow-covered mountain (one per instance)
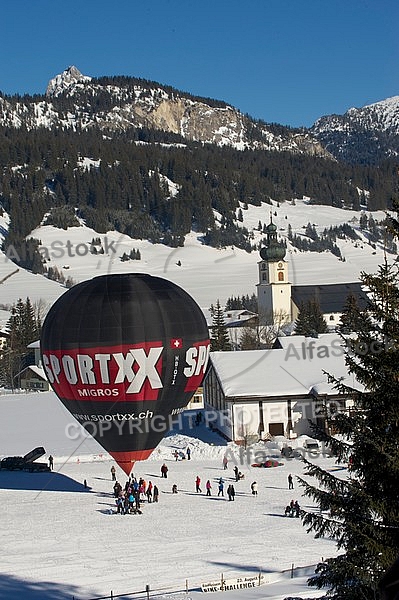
(75, 101)
(68, 78)
(114, 104)
(366, 134)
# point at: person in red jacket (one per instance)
(198, 484)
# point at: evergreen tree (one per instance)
(361, 511)
(219, 334)
(350, 316)
(22, 329)
(249, 339)
(310, 321)
(363, 221)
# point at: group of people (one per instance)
(129, 498)
(292, 509)
(238, 475)
(230, 489)
(182, 455)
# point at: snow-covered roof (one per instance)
(300, 341)
(232, 318)
(274, 373)
(35, 344)
(36, 370)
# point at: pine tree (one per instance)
(350, 315)
(22, 329)
(361, 511)
(219, 334)
(310, 321)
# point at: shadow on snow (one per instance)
(12, 587)
(48, 481)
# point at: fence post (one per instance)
(186, 586)
(147, 589)
(260, 576)
(112, 595)
(292, 571)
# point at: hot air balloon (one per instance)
(124, 353)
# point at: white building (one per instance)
(263, 393)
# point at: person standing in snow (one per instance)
(149, 492)
(208, 488)
(51, 462)
(231, 492)
(113, 473)
(236, 473)
(164, 471)
(290, 482)
(221, 487)
(188, 452)
(225, 462)
(198, 484)
(155, 493)
(254, 488)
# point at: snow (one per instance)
(60, 540)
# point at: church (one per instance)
(279, 301)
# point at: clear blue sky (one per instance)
(283, 61)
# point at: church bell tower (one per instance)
(274, 289)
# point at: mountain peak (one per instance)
(63, 81)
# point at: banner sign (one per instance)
(239, 583)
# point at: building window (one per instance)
(263, 276)
(281, 276)
(331, 317)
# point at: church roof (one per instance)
(331, 297)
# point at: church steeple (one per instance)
(274, 289)
(275, 250)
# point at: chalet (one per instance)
(264, 393)
(33, 377)
(235, 321)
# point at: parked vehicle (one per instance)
(311, 445)
(25, 463)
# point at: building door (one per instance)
(276, 428)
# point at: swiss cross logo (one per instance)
(176, 343)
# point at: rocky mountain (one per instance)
(74, 101)
(117, 104)
(362, 135)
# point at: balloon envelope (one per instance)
(124, 353)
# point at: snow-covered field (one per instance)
(60, 540)
(206, 273)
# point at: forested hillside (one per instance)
(151, 185)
